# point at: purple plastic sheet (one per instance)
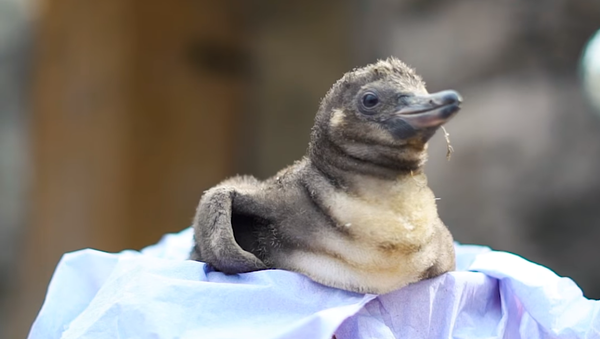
(156, 293)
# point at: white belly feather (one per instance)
(390, 226)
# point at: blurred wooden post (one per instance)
(125, 133)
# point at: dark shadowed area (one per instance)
(116, 115)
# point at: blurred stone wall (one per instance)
(14, 52)
(297, 48)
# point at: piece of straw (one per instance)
(449, 148)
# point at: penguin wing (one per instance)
(214, 233)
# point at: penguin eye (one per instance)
(370, 100)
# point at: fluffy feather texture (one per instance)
(356, 212)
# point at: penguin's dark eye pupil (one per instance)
(370, 100)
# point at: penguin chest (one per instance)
(385, 237)
(384, 219)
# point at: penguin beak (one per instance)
(427, 111)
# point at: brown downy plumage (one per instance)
(355, 212)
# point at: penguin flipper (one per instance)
(214, 234)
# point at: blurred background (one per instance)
(116, 115)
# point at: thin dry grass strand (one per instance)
(449, 148)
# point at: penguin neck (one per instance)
(341, 168)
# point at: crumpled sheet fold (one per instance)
(157, 293)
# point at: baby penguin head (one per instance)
(381, 114)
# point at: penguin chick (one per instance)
(355, 213)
